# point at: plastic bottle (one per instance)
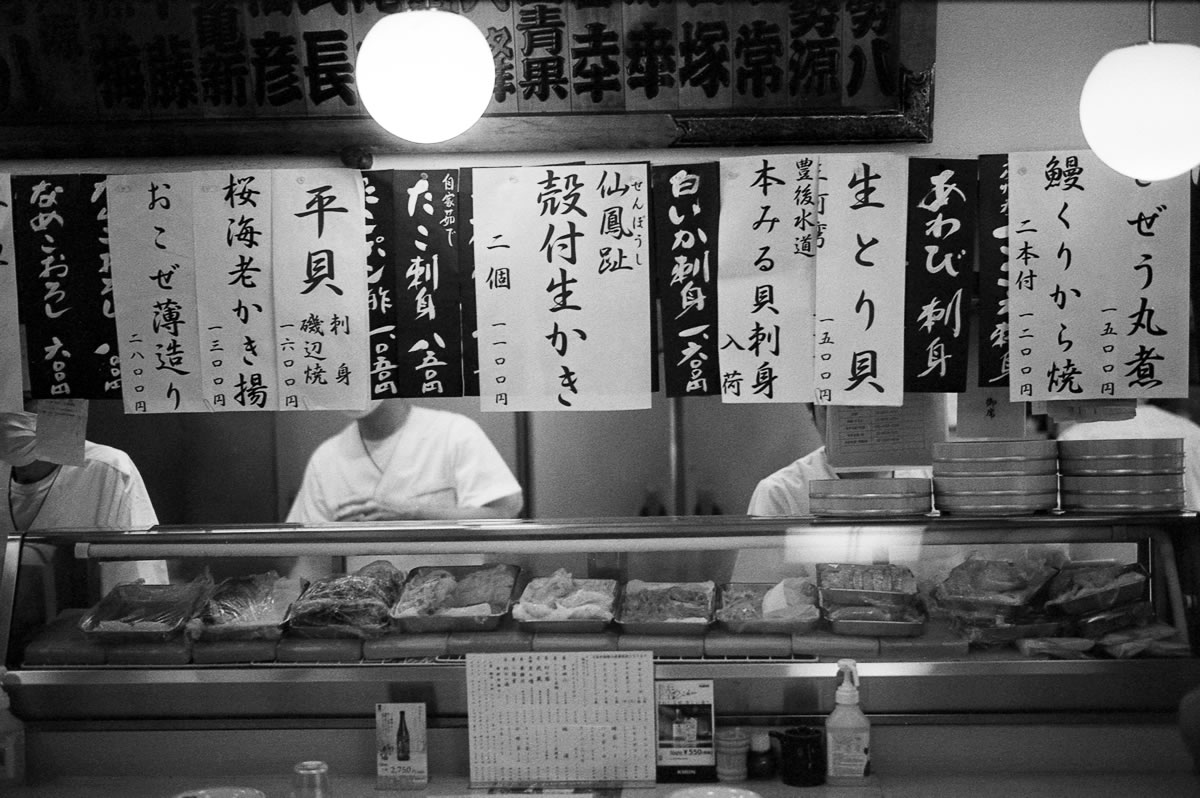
(12, 745)
(847, 733)
(760, 764)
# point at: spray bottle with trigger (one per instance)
(847, 732)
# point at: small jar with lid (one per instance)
(760, 761)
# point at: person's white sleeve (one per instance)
(480, 473)
(137, 499)
(309, 506)
(125, 504)
(772, 498)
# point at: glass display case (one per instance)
(1099, 596)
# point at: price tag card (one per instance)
(685, 730)
(561, 719)
(402, 752)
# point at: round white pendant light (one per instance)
(425, 76)
(1140, 108)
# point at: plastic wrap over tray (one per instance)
(874, 585)
(1005, 633)
(986, 591)
(1108, 587)
(912, 628)
(562, 603)
(347, 606)
(246, 608)
(876, 620)
(135, 612)
(455, 598)
(1099, 624)
(740, 609)
(667, 608)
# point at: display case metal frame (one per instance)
(989, 684)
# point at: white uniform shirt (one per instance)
(106, 492)
(785, 492)
(438, 458)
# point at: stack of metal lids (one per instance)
(995, 477)
(868, 497)
(1122, 474)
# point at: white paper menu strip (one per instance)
(860, 280)
(1098, 265)
(768, 239)
(565, 718)
(319, 279)
(152, 250)
(562, 255)
(234, 289)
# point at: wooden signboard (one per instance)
(148, 77)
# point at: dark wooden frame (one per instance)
(357, 139)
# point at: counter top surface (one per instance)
(986, 785)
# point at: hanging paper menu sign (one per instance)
(154, 285)
(768, 242)
(1098, 264)
(102, 375)
(563, 287)
(60, 249)
(320, 286)
(993, 324)
(860, 280)
(466, 282)
(561, 719)
(687, 205)
(428, 329)
(234, 290)
(939, 280)
(985, 411)
(381, 282)
(11, 397)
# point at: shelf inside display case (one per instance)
(56, 672)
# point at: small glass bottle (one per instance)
(760, 762)
(311, 780)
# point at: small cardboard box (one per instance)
(402, 755)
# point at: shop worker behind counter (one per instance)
(400, 462)
(105, 492)
(785, 492)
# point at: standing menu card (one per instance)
(561, 719)
(685, 730)
(402, 761)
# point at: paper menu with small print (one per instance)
(561, 718)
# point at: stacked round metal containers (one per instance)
(1027, 476)
(869, 497)
(995, 477)
(1122, 475)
